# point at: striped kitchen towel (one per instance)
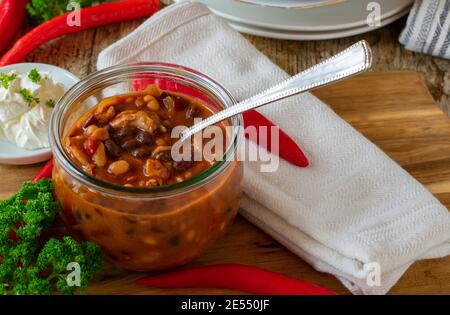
(428, 28)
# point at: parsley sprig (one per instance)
(50, 103)
(28, 97)
(6, 79)
(34, 76)
(43, 10)
(26, 267)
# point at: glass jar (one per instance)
(147, 228)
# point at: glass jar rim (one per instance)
(97, 78)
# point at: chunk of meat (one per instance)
(169, 104)
(155, 169)
(145, 121)
(105, 104)
(105, 110)
(79, 154)
(75, 150)
(161, 148)
(106, 116)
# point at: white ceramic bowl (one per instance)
(9, 152)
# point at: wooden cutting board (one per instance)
(396, 112)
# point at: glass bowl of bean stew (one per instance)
(116, 178)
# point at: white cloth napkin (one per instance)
(351, 207)
(428, 28)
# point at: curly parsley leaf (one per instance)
(26, 267)
(40, 11)
(28, 97)
(34, 76)
(50, 103)
(5, 79)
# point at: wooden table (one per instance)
(78, 54)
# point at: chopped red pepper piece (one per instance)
(90, 145)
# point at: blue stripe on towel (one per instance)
(442, 19)
(426, 29)
(426, 25)
(412, 19)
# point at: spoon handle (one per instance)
(353, 60)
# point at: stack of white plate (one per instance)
(308, 19)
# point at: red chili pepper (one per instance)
(45, 172)
(288, 149)
(12, 16)
(235, 277)
(103, 14)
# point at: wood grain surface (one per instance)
(393, 109)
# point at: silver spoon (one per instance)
(353, 60)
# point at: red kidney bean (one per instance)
(130, 144)
(164, 156)
(192, 112)
(181, 166)
(112, 148)
(142, 152)
(110, 129)
(145, 138)
(113, 134)
(92, 120)
(180, 103)
(126, 131)
(162, 96)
